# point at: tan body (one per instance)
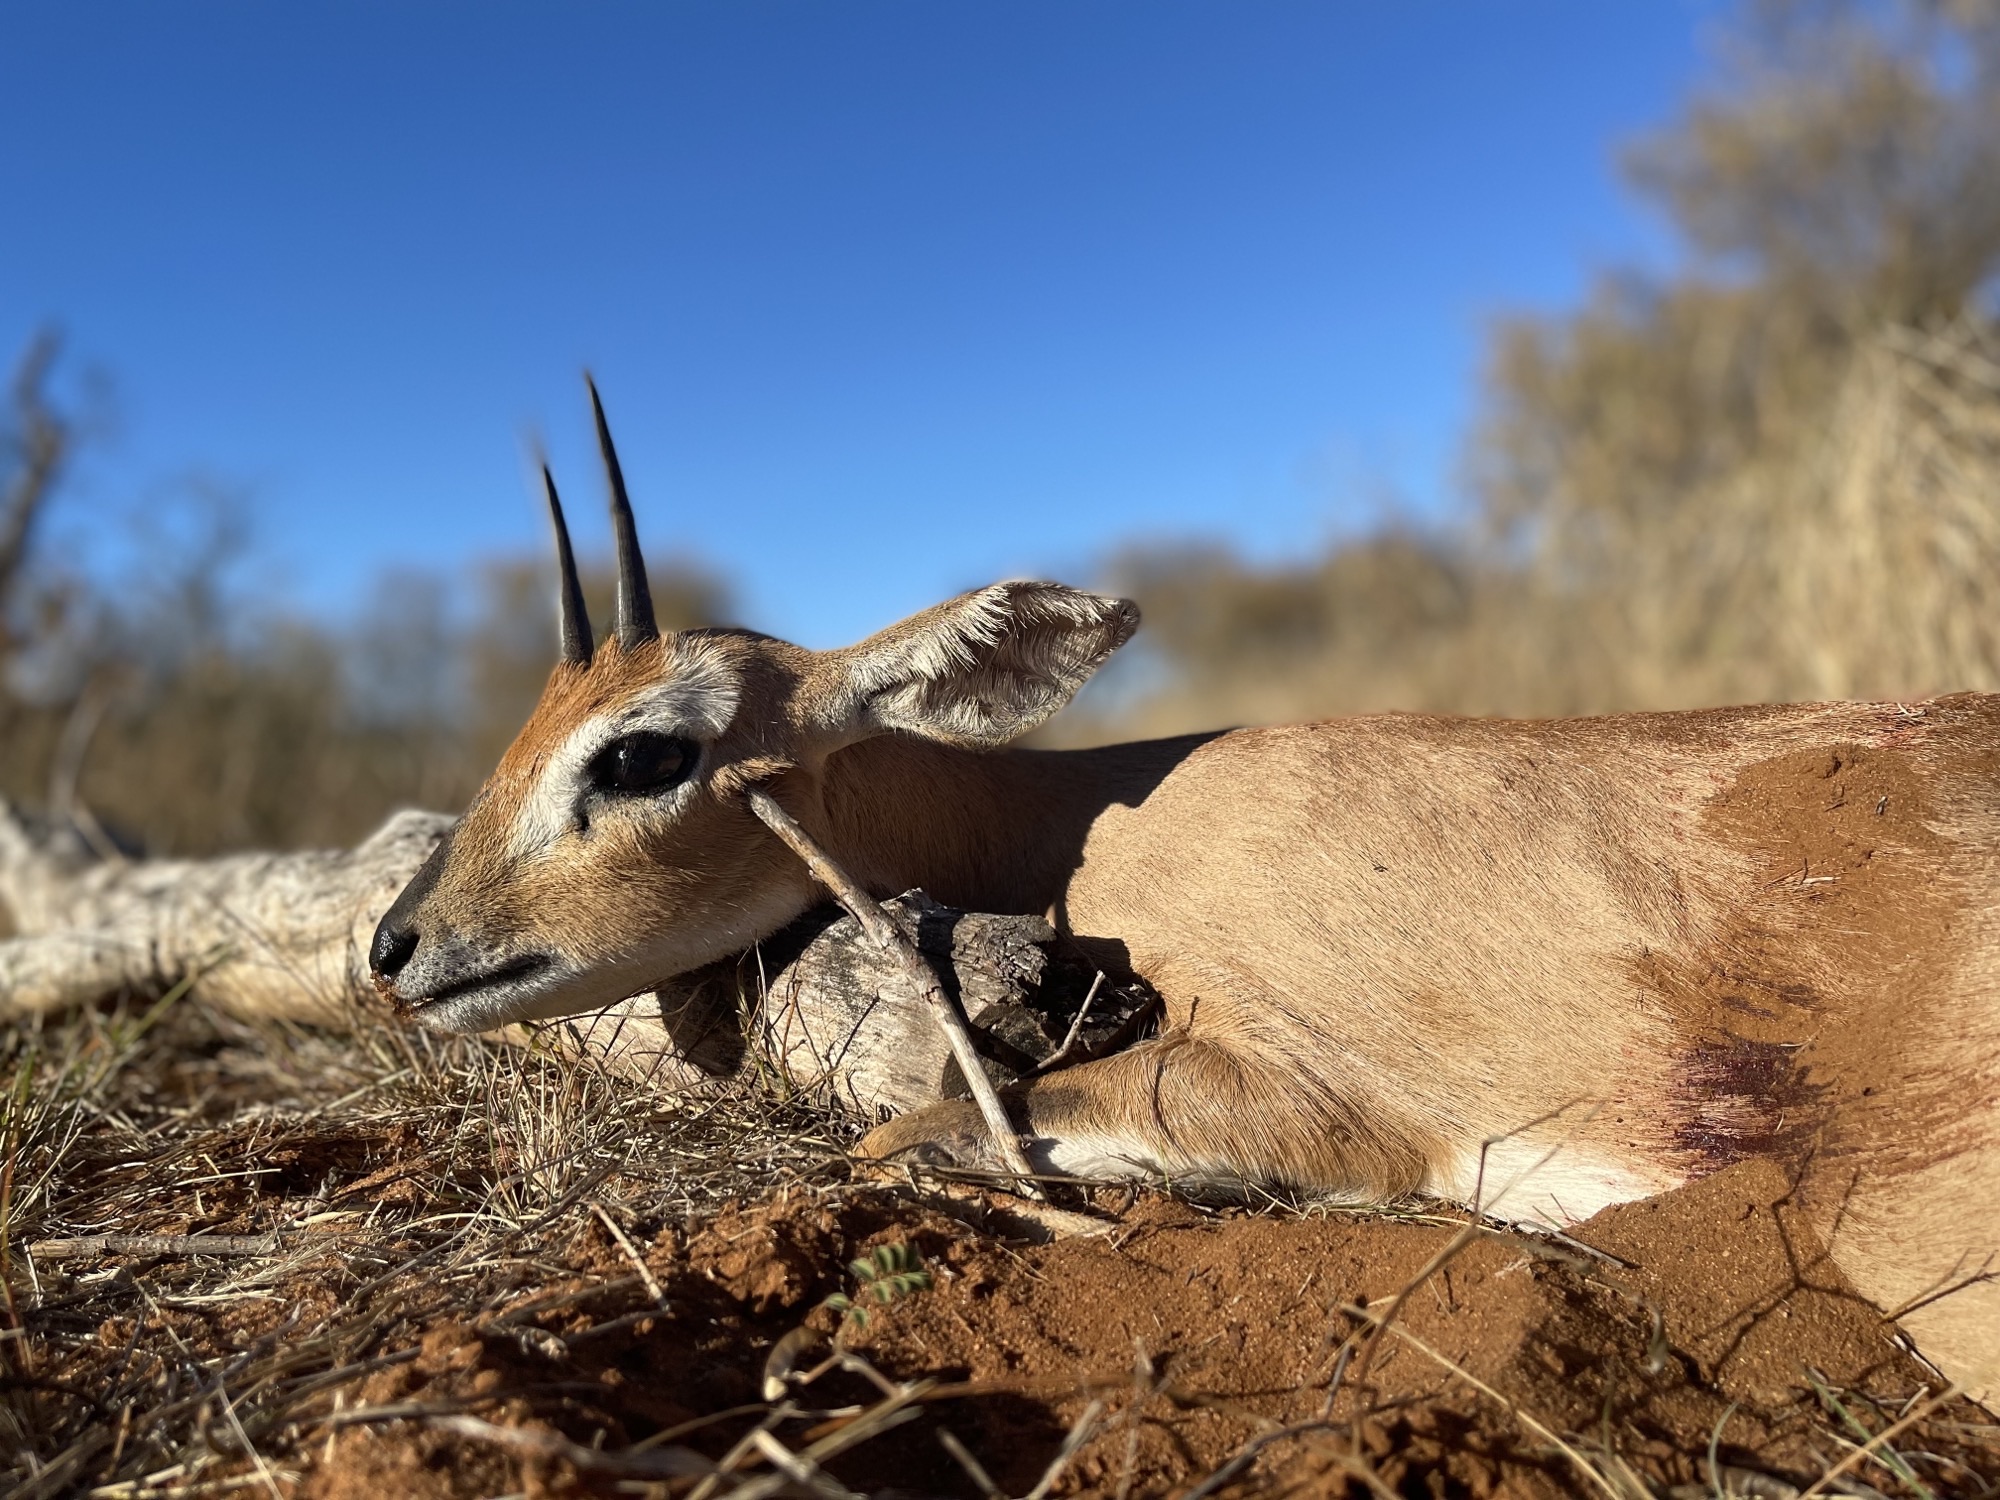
(1624, 951)
(1676, 939)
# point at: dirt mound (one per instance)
(497, 1274)
(1184, 1344)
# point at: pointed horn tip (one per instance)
(634, 620)
(606, 448)
(573, 617)
(554, 499)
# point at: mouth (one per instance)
(506, 975)
(487, 999)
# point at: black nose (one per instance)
(393, 946)
(396, 936)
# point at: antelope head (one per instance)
(613, 847)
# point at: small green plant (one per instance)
(886, 1274)
(1886, 1456)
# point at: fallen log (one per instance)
(821, 1006)
(264, 934)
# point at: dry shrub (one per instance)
(1863, 562)
(188, 715)
(1770, 475)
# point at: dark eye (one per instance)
(640, 764)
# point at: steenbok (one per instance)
(1631, 949)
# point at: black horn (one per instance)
(570, 609)
(632, 618)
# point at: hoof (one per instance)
(950, 1134)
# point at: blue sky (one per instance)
(886, 298)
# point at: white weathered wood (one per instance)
(820, 1008)
(267, 934)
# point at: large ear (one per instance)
(977, 670)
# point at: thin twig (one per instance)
(801, 1471)
(236, 1425)
(1474, 1226)
(887, 936)
(1867, 1449)
(1547, 1434)
(1079, 1434)
(653, 1463)
(85, 1246)
(872, 1423)
(1250, 1452)
(974, 1469)
(653, 1288)
(1056, 1058)
(394, 1411)
(741, 1449)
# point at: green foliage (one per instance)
(885, 1275)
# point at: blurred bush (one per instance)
(167, 710)
(1773, 474)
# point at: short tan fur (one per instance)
(1629, 950)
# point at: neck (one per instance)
(997, 831)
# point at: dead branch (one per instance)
(270, 935)
(42, 442)
(886, 937)
(823, 1007)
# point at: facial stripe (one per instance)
(696, 701)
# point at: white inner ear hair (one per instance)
(992, 664)
(696, 700)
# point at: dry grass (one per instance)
(414, 1183)
(1856, 553)
(407, 1175)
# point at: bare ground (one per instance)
(460, 1271)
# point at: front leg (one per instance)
(1181, 1108)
